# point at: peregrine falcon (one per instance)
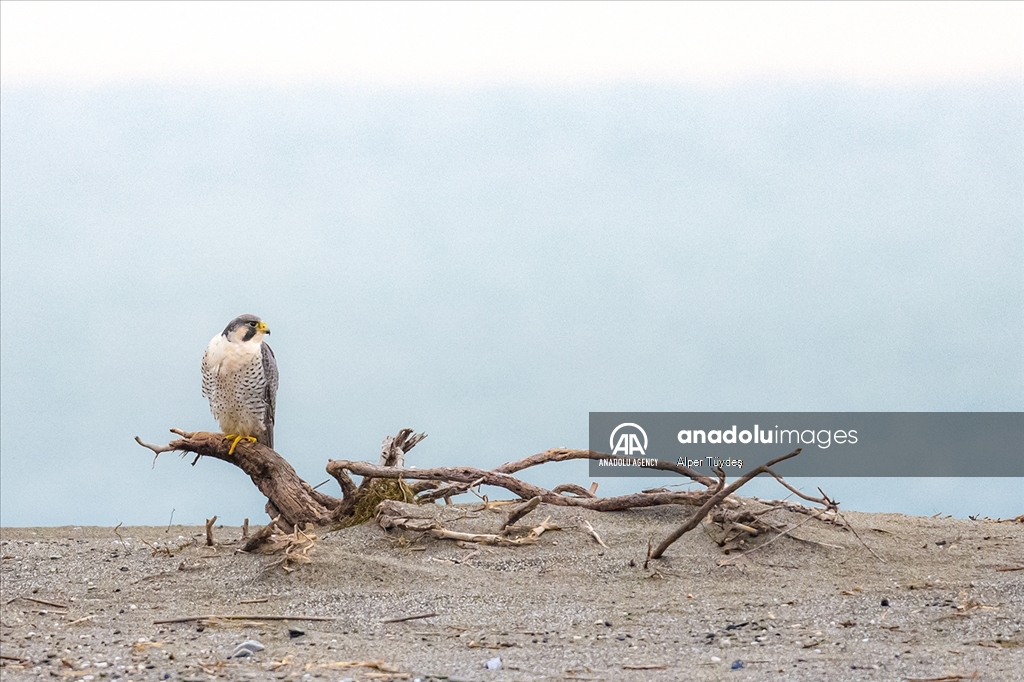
(240, 379)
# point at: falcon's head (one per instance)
(245, 328)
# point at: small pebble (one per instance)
(493, 664)
(885, 602)
(736, 665)
(246, 648)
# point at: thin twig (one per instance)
(857, 535)
(82, 619)
(593, 534)
(238, 616)
(405, 618)
(41, 601)
(157, 449)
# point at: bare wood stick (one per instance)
(797, 508)
(726, 562)
(593, 533)
(394, 448)
(157, 449)
(823, 500)
(209, 531)
(572, 488)
(271, 473)
(520, 511)
(442, 533)
(565, 454)
(857, 535)
(348, 488)
(722, 493)
(521, 488)
(405, 618)
(121, 539)
(445, 492)
(545, 525)
(41, 601)
(245, 528)
(481, 538)
(262, 535)
(241, 616)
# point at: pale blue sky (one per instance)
(485, 247)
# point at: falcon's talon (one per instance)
(236, 439)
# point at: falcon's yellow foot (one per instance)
(235, 439)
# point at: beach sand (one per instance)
(84, 602)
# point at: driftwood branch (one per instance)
(565, 454)
(262, 535)
(498, 479)
(722, 492)
(520, 511)
(295, 499)
(392, 515)
(292, 503)
(209, 530)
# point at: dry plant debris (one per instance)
(292, 503)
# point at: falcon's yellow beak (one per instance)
(261, 326)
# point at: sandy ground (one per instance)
(85, 603)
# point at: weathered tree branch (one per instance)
(722, 493)
(471, 475)
(293, 503)
(295, 499)
(565, 454)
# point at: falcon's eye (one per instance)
(252, 324)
